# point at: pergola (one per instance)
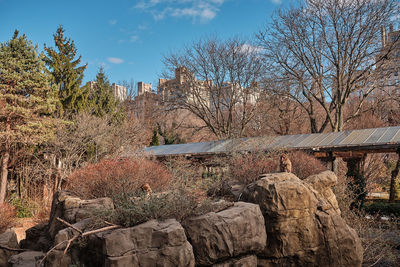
(352, 146)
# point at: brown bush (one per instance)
(7, 216)
(111, 177)
(247, 168)
(304, 164)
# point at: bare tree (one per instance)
(217, 81)
(322, 52)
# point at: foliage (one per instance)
(102, 98)
(27, 102)
(112, 177)
(383, 208)
(178, 203)
(66, 73)
(24, 208)
(7, 216)
(154, 140)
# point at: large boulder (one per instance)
(73, 209)
(8, 246)
(236, 231)
(154, 243)
(303, 225)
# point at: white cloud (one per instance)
(115, 60)
(276, 1)
(112, 22)
(133, 38)
(198, 10)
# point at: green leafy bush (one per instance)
(383, 208)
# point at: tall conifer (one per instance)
(66, 72)
(26, 102)
(102, 99)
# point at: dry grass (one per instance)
(7, 216)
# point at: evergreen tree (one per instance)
(154, 140)
(102, 99)
(66, 73)
(26, 102)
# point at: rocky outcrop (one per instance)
(26, 259)
(149, 244)
(73, 209)
(323, 183)
(230, 233)
(8, 241)
(152, 243)
(303, 226)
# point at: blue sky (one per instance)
(129, 38)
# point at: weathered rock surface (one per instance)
(26, 259)
(246, 261)
(323, 183)
(37, 238)
(152, 243)
(74, 256)
(7, 239)
(303, 227)
(73, 209)
(236, 231)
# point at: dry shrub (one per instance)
(373, 232)
(304, 164)
(111, 177)
(247, 168)
(7, 216)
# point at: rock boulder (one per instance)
(8, 239)
(303, 226)
(236, 231)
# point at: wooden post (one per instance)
(393, 179)
(356, 181)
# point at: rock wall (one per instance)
(284, 221)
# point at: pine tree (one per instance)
(26, 102)
(102, 99)
(67, 75)
(154, 140)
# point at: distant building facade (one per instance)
(119, 91)
(144, 88)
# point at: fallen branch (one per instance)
(68, 224)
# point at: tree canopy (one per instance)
(26, 101)
(66, 73)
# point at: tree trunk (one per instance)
(393, 180)
(4, 175)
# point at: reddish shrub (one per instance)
(111, 177)
(304, 164)
(7, 216)
(248, 168)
